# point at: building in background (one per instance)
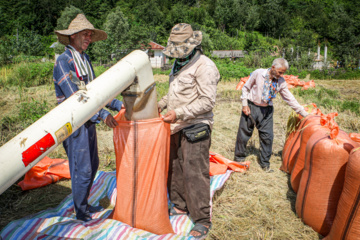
(156, 56)
(233, 54)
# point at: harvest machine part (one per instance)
(133, 74)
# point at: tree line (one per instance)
(27, 26)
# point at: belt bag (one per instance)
(197, 132)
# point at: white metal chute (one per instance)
(27, 148)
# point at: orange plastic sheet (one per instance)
(142, 162)
(347, 220)
(219, 165)
(45, 172)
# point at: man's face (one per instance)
(278, 72)
(81, 40)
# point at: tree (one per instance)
(66, 17)
(224, 13)
(117, 28)
(273, 18)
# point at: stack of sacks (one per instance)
(318, 163)
(291, 80)
(292, 143)
(305, 135)
(322, 180)
(347, 220)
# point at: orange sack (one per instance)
(142, 163)
(292, 145)
(347, 220)
(322, 180)
(242, 82)
(306, 133)
(45, 172)
(292, 127)
(355, 137)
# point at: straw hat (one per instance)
(182, 41)
(79, 24)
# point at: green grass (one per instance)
(328, 98)
(159, 71)
(28, 74)
(28, 113)
(99, 70)
(161, 89)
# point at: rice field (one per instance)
(253, 205)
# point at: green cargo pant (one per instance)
(189, 179)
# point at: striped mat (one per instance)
(60, 223)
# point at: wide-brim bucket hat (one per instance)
(182, 41)
(78, 24)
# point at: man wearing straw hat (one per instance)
(189, 102)
(72, 71)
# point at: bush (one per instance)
(29, 112)
(100, 70)
(31, 74)
(232, 69)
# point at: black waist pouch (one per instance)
(197, 132)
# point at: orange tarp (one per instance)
(45, 172)
(220, 164)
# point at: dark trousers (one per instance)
(189, 179)
(81, 149)
(263, 117)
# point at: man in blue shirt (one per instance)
(72, 71)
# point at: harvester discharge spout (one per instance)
(131, 76)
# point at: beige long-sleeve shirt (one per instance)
(253, 89)
(192, 93)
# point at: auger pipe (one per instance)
(27, 148)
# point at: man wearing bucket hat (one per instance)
(189, 102)
(72, 71)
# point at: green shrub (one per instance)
(31, 74)
(232, 69)
(100, 70)
(29, 112)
